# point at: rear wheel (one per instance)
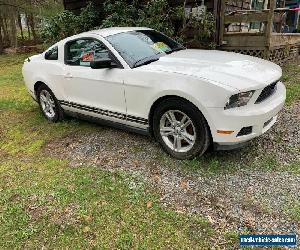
(49, 104)
(181, 129)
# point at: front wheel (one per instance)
(181, 129)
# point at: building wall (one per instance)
(233, 5)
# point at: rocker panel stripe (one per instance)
(105, 112)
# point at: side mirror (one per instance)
(106, 63)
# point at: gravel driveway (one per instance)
(248, 190)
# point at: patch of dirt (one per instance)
(67, 216)
(34, 208)
(246, 199)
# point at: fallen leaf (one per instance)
(210, 219)
(88, 218)
(157, 178)
(103, 203)
(136, 163)
(149, 204)
(184, 185)
(180, 210)
(86, 229)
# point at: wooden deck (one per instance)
(278, 47)
(258, 40)
(284, 39)
(263, 42)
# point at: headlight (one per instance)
(238, 100)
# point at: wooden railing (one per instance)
(251, 16)
(268, 17)
(262, 41)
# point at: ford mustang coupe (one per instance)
(140, 79)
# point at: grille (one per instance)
(245, 131)
(266, 92)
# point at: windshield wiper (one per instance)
(145, 61)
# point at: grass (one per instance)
(291, 76)
(46, 203)
(294, 211)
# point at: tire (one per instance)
(49, 105)
(190, 131)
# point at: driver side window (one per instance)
(82, 52)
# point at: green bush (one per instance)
(155, 14)
(203, 30)
(66, 24)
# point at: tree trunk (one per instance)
(20, 25)
(13, 30)
(6, 27)
(2, 34)
(1, 40)
(32, 27)
(28, 27)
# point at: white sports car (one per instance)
(140, 79)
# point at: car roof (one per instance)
(102, 32)
(116, 30)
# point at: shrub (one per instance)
(202, 29)
(66, 24)
(156, 14)
(88, 18)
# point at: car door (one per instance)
(96, 92)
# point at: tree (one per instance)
(33, 10)
(1, 40)
(20, 25)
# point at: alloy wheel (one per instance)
(177, 131)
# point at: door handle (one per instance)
(68, 76)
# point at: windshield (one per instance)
(143, 46)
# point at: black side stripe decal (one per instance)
(106, 112)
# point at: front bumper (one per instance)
(261, 117)
(224, 147)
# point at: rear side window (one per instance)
(52, 54)
(83, 51)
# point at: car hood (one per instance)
(235, 70)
